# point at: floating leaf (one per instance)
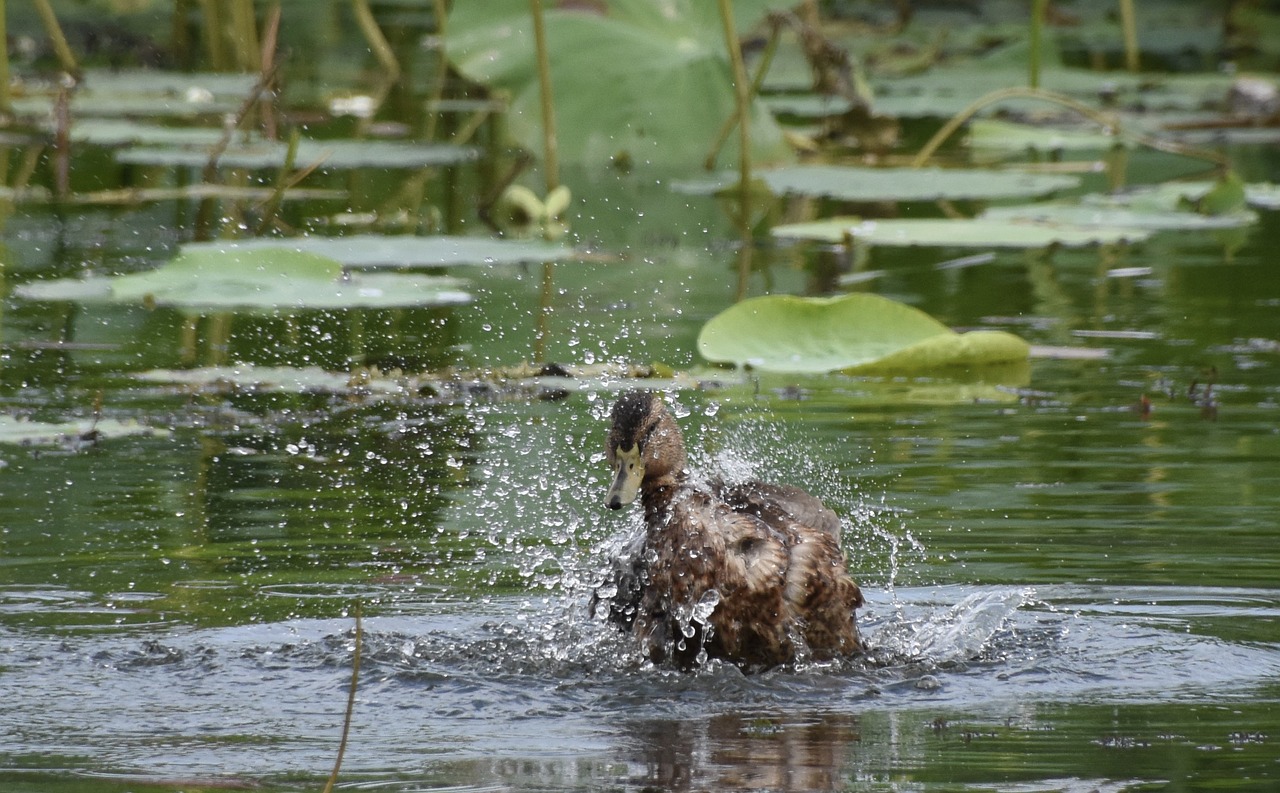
(1224, 198)
(400, 250)
(114, 132)
(999, 135)
(857, 333)
(960, 233)
(1101, 212)
(254, 280)
(332, 154)
(449, 386)
(634, 80)
(848, 183)
(67, 433)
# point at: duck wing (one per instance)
(780, 505)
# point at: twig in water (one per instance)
(351, 702)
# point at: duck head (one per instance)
(644, 447)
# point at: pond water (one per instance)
(1066, 590)
(1072, 578)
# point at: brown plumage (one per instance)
(752, 573)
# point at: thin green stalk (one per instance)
(550, 145)
(742, 96)
(272, 205)
(1129, 22)
(214, 38)
(959, 119)
(766, 59)
(6, 101)
(60, 46)
(437, 91)
(1037, 31)
(382, 51)
(248, 53)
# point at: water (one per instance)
(1066, 591)
(1063, 594)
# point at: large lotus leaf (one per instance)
(330, 154)
(854, 333)
(267, 279)
(637, 80)
(402, 250)
(850, 183)
(958, 233)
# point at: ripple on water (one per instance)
(521, 677)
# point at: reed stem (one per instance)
(550, 144)
(6, 101)
(1129, 22)
(382, 51)
(60, 46)
(1037, 32)
(742, 95)
(351, 701)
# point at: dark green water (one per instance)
(1064, 594)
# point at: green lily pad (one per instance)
(401, 250)
(67, 433)
(332, 154)
(448, 386)
(146, 92)
(959, 233)
(1103, 213)
(116, 132)
(943, 92)
(1006, 136)
(633, 80)
(268, 279)
(860, 333)
(848, 183)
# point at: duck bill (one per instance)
(628, 474)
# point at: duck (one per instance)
(749, 572)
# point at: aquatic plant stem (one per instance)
(550, 146)
(248, 52)
(6, 101)
(1037, 33)
(766, 59)
(60, 46)
(382, 51)
(1110, 122)
(742, 95)
(441, 13)
(351, 700)
(266, 63)
(214, 40)
(1129, 23)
